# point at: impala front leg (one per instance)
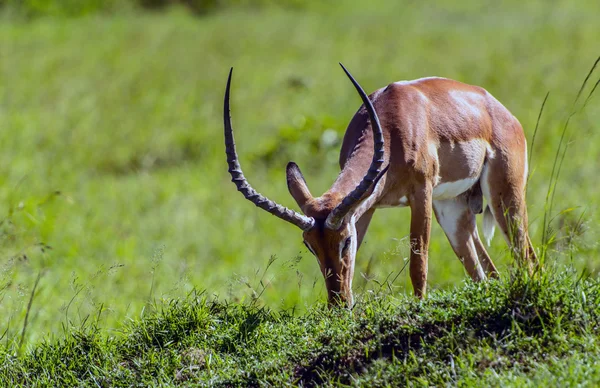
(420, 227)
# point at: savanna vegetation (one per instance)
(127, 257)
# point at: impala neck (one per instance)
(355, 158)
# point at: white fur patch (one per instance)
(416, 81)
(491, 154)
(353, 242)
(449, 190)
(353, 248)
(448, 214)
(489, 217)
(489, 225)
(485, 186)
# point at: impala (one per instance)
(445, 146)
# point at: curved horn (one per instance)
(237, 176)
(335, 217)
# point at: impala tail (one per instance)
(489, 225)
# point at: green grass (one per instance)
(113, 181)
(499, 333)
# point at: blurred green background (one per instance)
(113, 180)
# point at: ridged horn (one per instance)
(337, 215)
(237, 176)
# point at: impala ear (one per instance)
(297, 184)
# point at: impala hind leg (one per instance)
(503, 186)
(457, 219)
(484, 258)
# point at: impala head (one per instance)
(334, 245)
(328, 222)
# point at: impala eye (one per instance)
(346, 245)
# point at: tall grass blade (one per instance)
(29, 305)
(559, 160)
(537, 124)
(586, 80)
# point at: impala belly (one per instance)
(460, 165)
(453, 189)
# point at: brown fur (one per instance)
(415, 117)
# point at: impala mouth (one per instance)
(339, 287)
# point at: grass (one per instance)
(511, 332)
(114, 193)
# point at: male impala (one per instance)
(445, 144)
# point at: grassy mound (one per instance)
(517, 331)
(112, 148)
